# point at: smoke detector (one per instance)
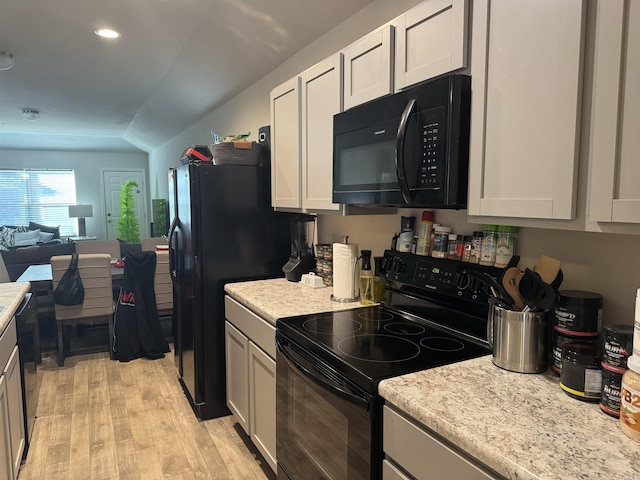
(30, 114)
(6, 60)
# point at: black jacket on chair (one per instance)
(137, 331)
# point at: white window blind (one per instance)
(40, 196)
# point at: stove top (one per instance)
(369, 344)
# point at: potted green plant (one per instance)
(159, 206)
(128, 227)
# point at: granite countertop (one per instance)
(523, 426)
(279, 298)
(11, 294)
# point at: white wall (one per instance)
(605, 263)
(87, 167)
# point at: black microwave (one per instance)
(409, 149)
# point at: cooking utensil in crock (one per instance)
(547, 268)
(511, 283)
(497, 290)
(537, 294)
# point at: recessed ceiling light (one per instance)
(6, 60)
(107, 33)
(30, 114)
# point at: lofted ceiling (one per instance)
(175, 61)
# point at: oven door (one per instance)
(325, 426)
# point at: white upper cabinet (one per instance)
(431, 39)
(526, 67)
(614, 179)
(321, 100)
(368, 67)
(285, 145)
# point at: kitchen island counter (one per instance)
(279, 298)
(523, 426)
(11, 295)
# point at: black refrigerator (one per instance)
(223, 230)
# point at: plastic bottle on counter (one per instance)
(630, 390)
(441, 242)
(366, 279)
(424, 233)
(489, 238)
(505, 245)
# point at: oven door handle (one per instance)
(400, 139)
(341, 389)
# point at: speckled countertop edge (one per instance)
(11, 294)
(279, 298)
(521, 425)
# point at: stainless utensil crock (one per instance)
(519, 340)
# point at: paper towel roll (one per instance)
(345, 256)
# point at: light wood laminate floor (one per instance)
(103, 419)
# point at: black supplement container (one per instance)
(581, 376)
(578, 313)
(617, 346)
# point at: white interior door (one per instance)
(112, 182)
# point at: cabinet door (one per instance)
(237, 366)
(431, 39)
(614, 194)
(368, 66)
(262, 381)
(285, 145)
(526, 67)
(321, 100)
(16, 411)
(6, 465)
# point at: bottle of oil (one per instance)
(366, 279)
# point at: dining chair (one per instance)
(111, 247)
(149, 244)
(4, 275)
(98, 305)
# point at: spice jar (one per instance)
(466, 248)
(488, 251)
(441, 242)
(451, 247)
(476, 247)
(505, 245)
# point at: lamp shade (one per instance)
(80, 211)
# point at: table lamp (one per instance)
(81, 212)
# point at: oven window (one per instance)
(319, 433)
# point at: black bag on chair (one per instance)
(70, 290)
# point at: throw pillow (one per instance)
(7, 235)
(46, 229)
(24, 239)
(45, 236)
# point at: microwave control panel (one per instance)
(431, 167)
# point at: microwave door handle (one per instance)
(400, 139)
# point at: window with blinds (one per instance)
(40, 196)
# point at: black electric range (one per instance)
(329, 365)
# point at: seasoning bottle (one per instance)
(424, 233)
(451, 247)
(378, 279)
(366, 279)
(505, 245)
(488, 251)
(630, 390)
(466, 248)
(441, 242)
(476, 247)
(433, 238)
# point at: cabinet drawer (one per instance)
(8, 340)
(422, 455)
(253, 326)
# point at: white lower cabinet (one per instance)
(12, 433)
(411, 452)
(251, 376)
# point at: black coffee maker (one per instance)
(301, 259)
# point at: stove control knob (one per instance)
(397, 266)
(463, 280)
